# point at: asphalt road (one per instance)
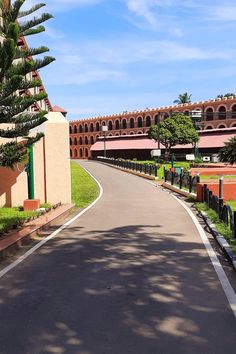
(131, 276)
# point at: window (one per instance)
(222, 112)
(75, 141)
(86, 128)
(124, 124)
(131, 123)
(86, 140)
(148, 121)
(75, 151)
(110, 125)
(140, 122)
(209, 114)
(91, 140)
(91, 127)
(117, 125)
(80, 128)
(80, 152)
(70, 129)
(75, 129)
(70, 141)
(234, 111)
(97, 127)
(80, 141)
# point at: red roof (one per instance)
(58, 109)
(206, 141)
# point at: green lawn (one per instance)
(184, 164)
(204, 177)
(84, 188)
(11, 218)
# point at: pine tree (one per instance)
(16, 68)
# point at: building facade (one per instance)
(217, 113)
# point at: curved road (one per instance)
(131, 276)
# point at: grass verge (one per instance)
(221, 227)
(11, 218)
(83, 187)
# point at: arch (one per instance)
(131, 123)
(81, 141)
(156, 119)
(80, 152)
(70, 153)
(124, 123)
(97, 127)
(131, 133)
(124, 134)
(148, 121)
(166, 115)
(86, 128)
(222, 112)
(117, 134)
(186, 113)
(209, 127)
(91, 128)
(209, 114)
(233, 125)
(140, 122)
(86, 152)
(75, 141)
(75, 152)
(110, 135)
(86, 140)
(97, 137)
(117, 124)
(75, 129)
(70, 129)
(110, 125)
(233, 110)
(80, 128)
(140, 132)
(70, 141)
(221, 126)
(91, 140)
(103, 122)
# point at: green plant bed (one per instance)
(11, 218)
(83, 187)
(221, 227)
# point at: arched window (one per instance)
(140, 122)
(80, 141)
(110, 125)
(86, 128)
(86, 152)
(131, 133)
(80, 152)
(131, 123)
(75, 141)
(148, 121)
(75, 152)
(117, 134)
(70, 153)
(234, 125)
(103, 123)
(234, 111)
(124, 134)
(91, 140)
(75, 129)
(222, 112)
(86, 140)
(97, 127)
(209, 127)
(157, 118)
(209, 114)
(70, 129)
(91, 127)
(80, 128)
(70, 141)
(117, 124)
(124, 124)
(97, 137)
(140, 132)
(222, 126)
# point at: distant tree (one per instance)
(183, 98)
(227, 95)
(17, 86)
(174, 130)
(228, 152)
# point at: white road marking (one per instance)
(228, 290)
(52, 235)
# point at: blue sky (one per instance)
(121, 55)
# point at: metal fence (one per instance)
(224, 211)
(181, 179)
(147, 169)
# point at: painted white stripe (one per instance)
(52, 235)
(228, 290)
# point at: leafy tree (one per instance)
(228, 152)
(174, 130)
(16, 68)
(183, 98)
(226, 95)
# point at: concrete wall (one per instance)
(51, 168)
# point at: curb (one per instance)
(219, 239)
(177, 190)
(12, 241)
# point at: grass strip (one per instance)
(221, 227)
(83, 187)
(11, 218)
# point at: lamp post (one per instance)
(104, 131)
(196, 118)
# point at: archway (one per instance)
(209, 114)
(222, 112)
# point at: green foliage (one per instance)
(229, 94)
(228, 152)
(16, 79)
(84, 188)
(183, 98)
(11, 218)
(174, 130)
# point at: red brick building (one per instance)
(215, 114)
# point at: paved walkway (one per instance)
(131, 276)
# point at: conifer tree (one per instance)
(16, 68)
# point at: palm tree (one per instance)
(183, 98)
(228, 94)
(228, 152)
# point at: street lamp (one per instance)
(104, 132)
(196, 118)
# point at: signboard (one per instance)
(196, 114)
(190, 157)
(156, 153)
(104, 128)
